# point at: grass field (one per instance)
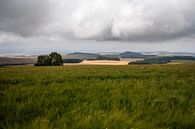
(98, 97)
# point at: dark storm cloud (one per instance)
(123, 20)
(23, 17)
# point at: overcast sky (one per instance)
(97, 25)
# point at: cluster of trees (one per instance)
(152, 61)
(53, 59)
(101, 57)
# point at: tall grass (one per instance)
(98, 97)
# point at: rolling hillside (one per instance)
(4, 61)
(78, 55)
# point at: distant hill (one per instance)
(129, 54)
(92, 56)
(79, 55)
(164, 53)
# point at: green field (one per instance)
(98, 97)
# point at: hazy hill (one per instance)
(79, 55)
(164, 53)
(129, 54)
(88, 56)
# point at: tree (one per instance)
(54, 59)
(43, 60)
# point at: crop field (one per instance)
(98, 97)
(123, 61)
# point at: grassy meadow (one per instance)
(98, 97)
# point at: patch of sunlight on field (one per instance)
(124, 61)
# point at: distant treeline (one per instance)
(162, 60)
(106, 57)
(99, 57)
(72, 60)
(2, 65)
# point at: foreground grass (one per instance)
(98, 97)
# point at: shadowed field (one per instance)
(98, 97)
(6, 61)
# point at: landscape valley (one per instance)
(97, 64)
(106, 58)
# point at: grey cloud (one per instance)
(136, 20)
(23, 17)
(124, 20)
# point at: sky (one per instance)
(38, 26)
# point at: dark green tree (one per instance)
(54, 59)
(43, 60)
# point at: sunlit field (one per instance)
(98, 97)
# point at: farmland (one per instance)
(98, 97)
(123, 61)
